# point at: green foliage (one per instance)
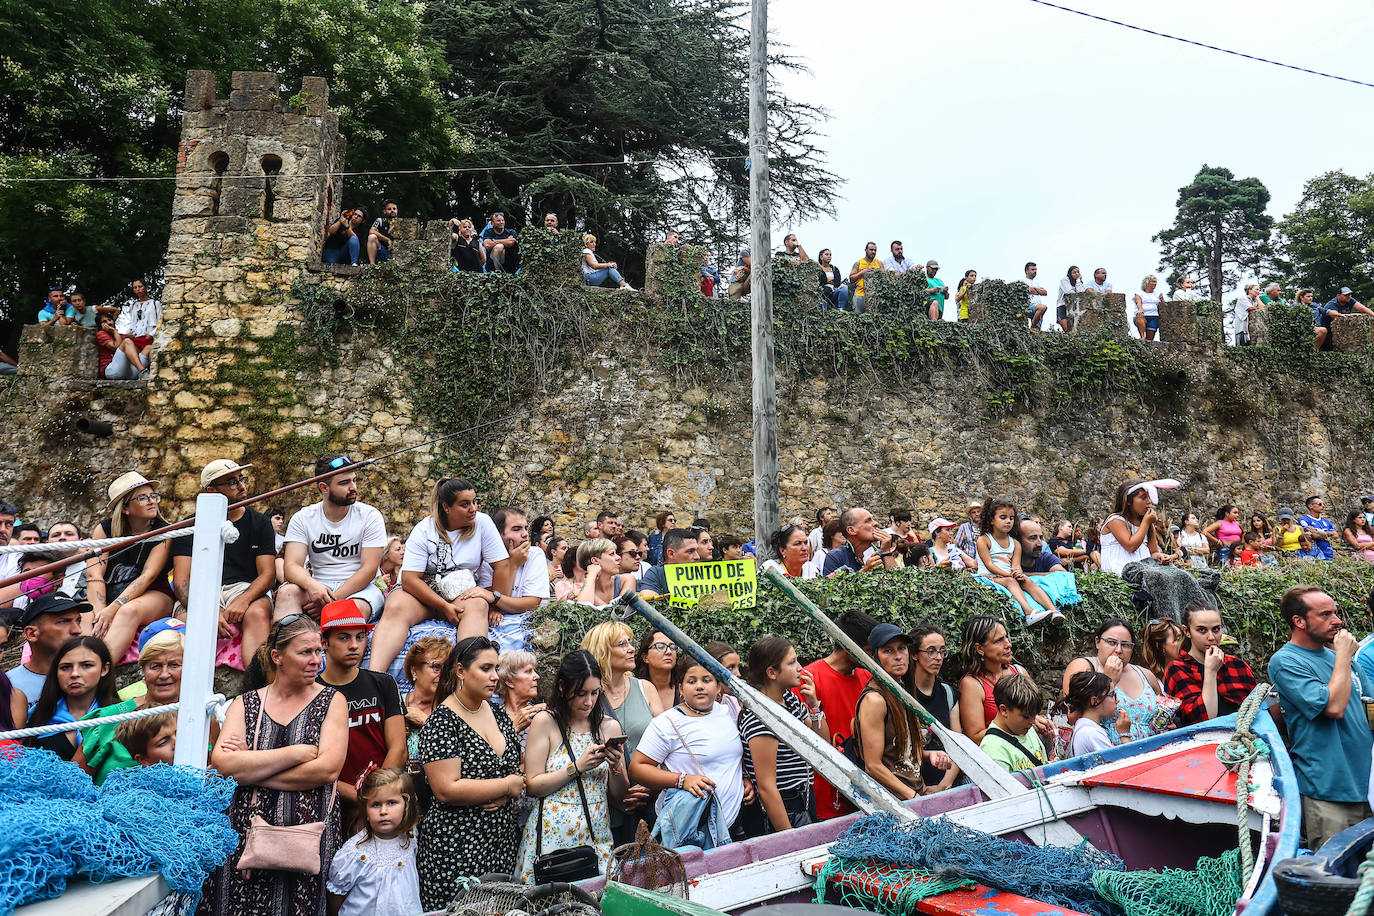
(908, 597)
(1328, 239)
(603, 81)
(1221, 227)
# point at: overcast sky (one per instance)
(986, 133)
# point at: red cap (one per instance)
(342, 614)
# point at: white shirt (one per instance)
(1067, 288)
(1104, 288)
(1187, 295)
(896, 266)
(531, 581)
(139, 318)
(714, 742)
(1240, 316)
(378, 876)
(429, 554)
(333, 552)
(814, 539)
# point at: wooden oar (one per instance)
(867, 794)
(981, 769)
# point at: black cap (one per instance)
(53, 603)
(883, 634)
(332, 463)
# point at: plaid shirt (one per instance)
(1183, 682)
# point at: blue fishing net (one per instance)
(142, 820)
(1051, 874)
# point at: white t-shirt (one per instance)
(139, 318)
(814, 539)
(531, 581)
(713, 739)
(1088, 736)
(333, 552)
(427, 553)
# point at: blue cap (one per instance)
(160, 626)
(883, 634)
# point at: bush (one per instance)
(1249, 606)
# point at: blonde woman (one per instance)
(455, 540)
(389, 572)
(1147, 308)
(128, 588)
(465, 248)
(594, 272)
(603, 583)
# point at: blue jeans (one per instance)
(838, 296)
(597, 277)
(383, 254)
(336, 255)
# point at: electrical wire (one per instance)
(1204, 45)
(133, 179)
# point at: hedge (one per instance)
(1248, 598)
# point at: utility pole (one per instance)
(761, 288)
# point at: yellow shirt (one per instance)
(865, 264)
(1288, 540)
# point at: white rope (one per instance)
(228, 532)
(56, 729)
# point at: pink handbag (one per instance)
(267, 846)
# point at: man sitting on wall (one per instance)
(1344, 304)
(379, 236)
(503, 255)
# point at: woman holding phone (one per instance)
(574, 767)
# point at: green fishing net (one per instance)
(881, 888)
(1211, 890)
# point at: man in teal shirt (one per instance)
(79, 313)
(935, 289)
(1319, 694)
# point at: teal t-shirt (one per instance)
(84, 319)
(1330, 755)
(1015, 752)
(942, 294)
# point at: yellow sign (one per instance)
(688, 583)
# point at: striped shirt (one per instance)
(793, 772)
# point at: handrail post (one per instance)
(202, 627)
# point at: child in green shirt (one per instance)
(1011, 739)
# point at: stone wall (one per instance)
(231, 379)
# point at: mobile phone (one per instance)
(618, 743)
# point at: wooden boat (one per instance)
(1164, 801)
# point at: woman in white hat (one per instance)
(128, 588)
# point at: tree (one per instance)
(619, 81)
(1328, 239)
(90, 97)
(1220, 229)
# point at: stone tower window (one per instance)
(220, 163)
(271, 166)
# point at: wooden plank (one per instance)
(1191, 773)
(625, 900)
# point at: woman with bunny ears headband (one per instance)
(1128, 533)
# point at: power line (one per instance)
(1202, 44)
(437, 171)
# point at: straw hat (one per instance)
(125, 484)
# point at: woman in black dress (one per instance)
(285, 744)
(471, 756)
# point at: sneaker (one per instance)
(627, 288)
(1033, 619)
(1056, 616)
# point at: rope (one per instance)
(1365, 895)
(92, 543)
(1239, 753)
(39, 731)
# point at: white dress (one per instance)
(378, 876)
(1114, 556)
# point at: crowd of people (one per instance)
(1048, 308)
(393, 700)
(123, 333)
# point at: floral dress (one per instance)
(458, 841)
(565, 824)
(278, 893)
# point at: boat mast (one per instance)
(761, 287)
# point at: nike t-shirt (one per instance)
(334, 552)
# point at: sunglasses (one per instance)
(340, 462)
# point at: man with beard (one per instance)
(1035, 559)
(509, 616)
(333, 548)
(1320, 697)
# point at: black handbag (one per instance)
(577, 863)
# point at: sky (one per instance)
(988, 133)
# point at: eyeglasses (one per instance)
(1117, 643)
(623, 644)
(239, 481)
(666, 648)
(933, 652)
(635, 553)
(146, 498)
